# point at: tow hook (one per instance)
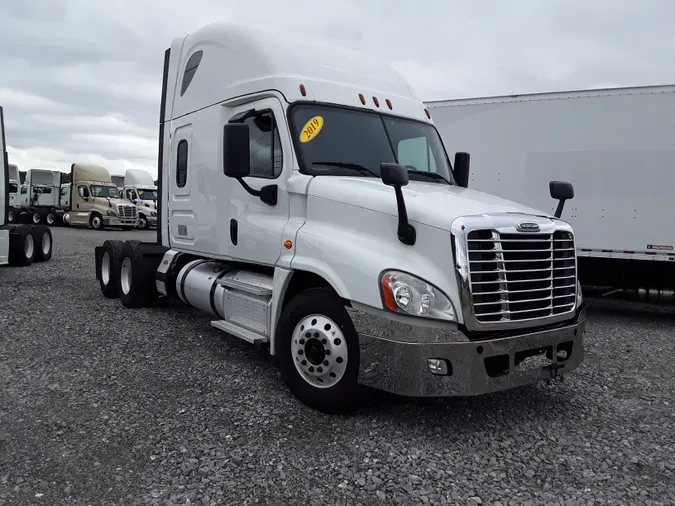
(555, 370)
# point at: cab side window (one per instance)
(266, 155)
(83, 191)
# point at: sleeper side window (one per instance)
(182, 164)
(266, 154)
(190, 70)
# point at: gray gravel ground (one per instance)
(103, 405)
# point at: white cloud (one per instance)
(81, 80)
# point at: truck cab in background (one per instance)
(95, 201)
(306, 202)
(39, 196)
(20, 245)
(140, 188)
(14, 181)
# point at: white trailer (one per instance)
(307, 203)
(140, 188)
(614, 145)
(19, 244)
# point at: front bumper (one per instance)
(111, 221)
(395, 357)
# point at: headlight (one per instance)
(111, 213)
(407, 294)
(153, 213)
(580, 296)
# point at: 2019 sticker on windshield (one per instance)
(311, 129)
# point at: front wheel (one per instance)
(143, 222)
(318, 352)
(96, 221)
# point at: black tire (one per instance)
(143, 222)
(96, 221)
(12, 216)
(137, 278)
(35, 217)
(20, 251)
(50, 218)
(110, 279)
(346, 395)
(44, 243)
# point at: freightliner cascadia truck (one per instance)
(306, 201)
(20, 245)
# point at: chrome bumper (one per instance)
(111, 221)
(396, 357)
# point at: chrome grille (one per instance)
(126, 211)
(521, 276)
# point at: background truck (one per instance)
(19, 244)
(95, 201)
(13, 182)
(614, 145)
(307, 203)
(140, 188)
(39, 197)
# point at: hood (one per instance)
(115, 201)
(432, 204)
(150, 204)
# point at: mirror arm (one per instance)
(406, 232)
(559, 209)
(249, 190)
(267, 194)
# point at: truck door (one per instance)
(255, 229)
(81, 205)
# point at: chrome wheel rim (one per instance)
(29, 246)
(125, 275)
(96, 222)
(319, 351)
(105, 268)
(46, 243)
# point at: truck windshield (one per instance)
(104, 191)
(339, 141)
(147, 194)
(13, 188)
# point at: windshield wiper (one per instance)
(431, 175)
(346, 165)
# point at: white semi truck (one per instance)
(614, 145)
(14, 180)
(19, 244)
(306, 201)
(39, 196)
(140, 188)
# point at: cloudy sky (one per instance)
(81, 79)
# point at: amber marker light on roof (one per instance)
(389, 103)
(303, 91)
(363, 98)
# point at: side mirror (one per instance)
(236, 150)
(561, 191)
(396, 175)
(462, 168)
(393, 174)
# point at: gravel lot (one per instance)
(103, 405)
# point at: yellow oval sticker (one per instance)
(311, 129)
